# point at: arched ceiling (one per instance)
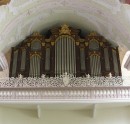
(20, 18)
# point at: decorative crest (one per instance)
(36, 34)
(65, 30)
(93, 34)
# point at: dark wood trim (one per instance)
(87, 61)
(11, 62)
(78, 64)
(18, 63)
(27, 65)
(118, 61)
(102, 61)
(43, 60)
(52, 61)
(111, 61)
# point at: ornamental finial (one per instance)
(65, 29)
(93, 33)
(110, 74)
(66, 79)
(20, 76)
(36, 34)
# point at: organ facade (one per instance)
(63, 50)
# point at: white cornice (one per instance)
(72, 95)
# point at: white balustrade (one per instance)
(64, 80)
(77, 88)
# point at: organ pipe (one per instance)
(65, 60)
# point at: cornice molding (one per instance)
(73, 95)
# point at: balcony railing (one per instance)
(64, 80)
(63, 88)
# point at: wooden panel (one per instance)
(52, 61)
(11, 62)
(78, 64)
(111, 61)
(118, 59)
(102, 61)
(27, 66)
(43, 60)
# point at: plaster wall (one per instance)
(102, 116)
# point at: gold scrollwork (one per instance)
(86, 43)
(35, 54)
(65, 30)
(52, 43)
(94, 53)
(101, 43)
(36, 34)
(77, 43)
(93, 34)
(43, 44)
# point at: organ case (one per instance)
(65, 50)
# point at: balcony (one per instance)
(65, 88)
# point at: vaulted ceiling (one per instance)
(20, 18)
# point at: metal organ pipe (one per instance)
(67, 56)
(74, 60)
(59, 58)
(72, 57)
(62, 55)
(65, 59)
(34, 66)
(95, 65)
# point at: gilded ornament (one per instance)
(36, 34)
(52, 43)
(43, 44)
(93, 34)
(77, 43)
(65, 30)
(101, 44)
(86, 43)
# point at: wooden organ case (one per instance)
(64, 51)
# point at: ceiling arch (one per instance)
(20, 18)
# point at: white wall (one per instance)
(103, 116)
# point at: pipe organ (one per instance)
(63, 50)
